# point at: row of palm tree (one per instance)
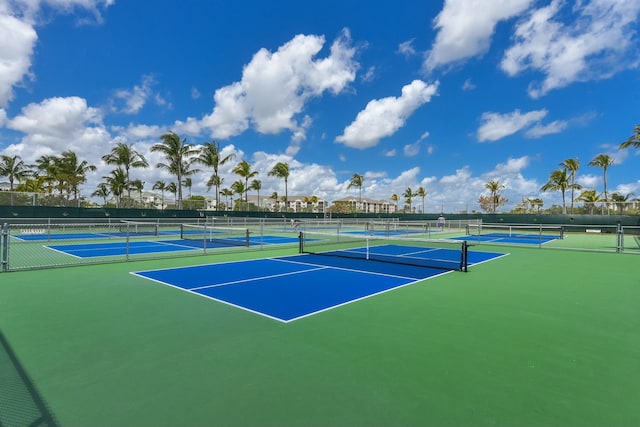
(408, 195)
(65, 173)
(564, 179)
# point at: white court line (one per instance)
(253, 279)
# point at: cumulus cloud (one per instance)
(465, 28)
(304, 178)
(144, 131)
(18, 36)
(598, 43)
(58, 124)
(495, 126)
(17, 40)
(276, 85)
(383, 117)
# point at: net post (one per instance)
(619, 238)
(247, 238)
(301, 243)
(540, 236)
(204, 240)
(5, 247)
(127, 245)
(367, 249)
(465, 257)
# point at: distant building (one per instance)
(369, 205)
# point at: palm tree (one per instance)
(494, 187)
(188, 182)
(572, 166)
(408, 196)
(634, 140)
(126, 156)
(162, 186)
(238, 188)
(226, 193)
(102, 191)
(558, 181)
(256, 184)
(14, 169)
(74, 171)
(138, 185)
(173, 189)
(117, 183)
(211, 156)
(590, 198)
(46, 165)
(357, 180)
(215, 180)
(619, 201)
(275, 196)
(281, 170)
(394, 199)
(422, 193)
(536, 203)
(179, 155)
(603, 161)
(244, 170)
(32, 185)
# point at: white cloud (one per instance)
(468, 85)
(369, 75)
(383, 117)
(136, 98)
(276, 85)
(588, 181)
(411, 150)
(465, 28)
(18, 36)
(58, 124)
(390, 153)
(17, 40)
(495, 126)
(195, 93)
(539, 130)
(598, 43)
(144, 131)
(406, 48)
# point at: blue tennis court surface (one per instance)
(91, 250)
(290, 288)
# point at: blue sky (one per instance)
(447, 95)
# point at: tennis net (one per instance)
(433, 253)
(138, 228)
(538, 232)
(207, 234)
